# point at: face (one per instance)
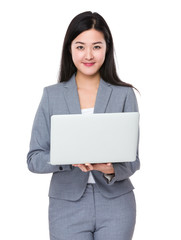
(88, 52)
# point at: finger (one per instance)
(89, 166)
(96, 166)
(83, 167)
(109, 164)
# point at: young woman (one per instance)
(87, 201)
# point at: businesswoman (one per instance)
(86, 201)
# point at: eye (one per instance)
(80, 47)
(97, 47)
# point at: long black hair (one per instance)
(80, 23)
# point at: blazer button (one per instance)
(60, 168)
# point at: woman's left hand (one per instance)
(106, 168)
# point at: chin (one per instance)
(90, 73)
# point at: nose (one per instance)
(88, 54)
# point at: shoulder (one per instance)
(53, 90)
(127, 95)
(54, 87)
(122, 90)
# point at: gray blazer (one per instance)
(69, 182)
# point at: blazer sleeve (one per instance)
(125, 169)
(38, 157)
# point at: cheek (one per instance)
(76, 58)
(101, 57)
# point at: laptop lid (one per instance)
(94, 138)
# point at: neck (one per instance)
(87, 82)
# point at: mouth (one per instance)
(89, 64)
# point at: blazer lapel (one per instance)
(103, 96)
(72, 97)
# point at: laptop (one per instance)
(94, 138)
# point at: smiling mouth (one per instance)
(89, 64)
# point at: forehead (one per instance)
(90, 36)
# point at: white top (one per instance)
(89, 111)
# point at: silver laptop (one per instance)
(94, 138)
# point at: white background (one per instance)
(147, 36)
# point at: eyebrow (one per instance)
(92, 43)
